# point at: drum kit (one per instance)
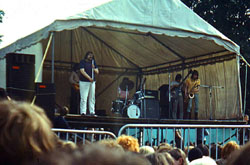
(128, 107)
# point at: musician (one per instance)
(88, 70)
(177, 98)
(192, 88)
(122, 92)
(75, 96)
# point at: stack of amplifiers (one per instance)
(20, 76)
(45, 98)
(150, 107)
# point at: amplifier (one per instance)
(153, 94)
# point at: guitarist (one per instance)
(192, 87)
(177, 98)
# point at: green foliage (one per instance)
(231, 17)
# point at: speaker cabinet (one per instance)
(45, 98)
(20, 76)
(150, 108)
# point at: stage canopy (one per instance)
(143, 38)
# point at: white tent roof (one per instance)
(171, 18)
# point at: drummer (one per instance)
(124, 88)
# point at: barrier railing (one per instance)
(181, 135)
(82, 136)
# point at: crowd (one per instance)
(26, 138)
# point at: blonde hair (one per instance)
(145, 150)
(164, 147)
(25, 131)
(128, 143)
(228, 149)
(112, 144)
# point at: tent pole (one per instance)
(239, 87)
(53, 59)
(71, 48)
(169, 95)
(245, 97)
(41, 66)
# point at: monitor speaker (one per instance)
(45, 98)
(20, 75)
(150, 108)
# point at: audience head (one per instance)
(157, 159)
(112, 144)
(204, 149)
(164, 147)
(203, 161)
(128, 143)
(179, 156)
(25, 132)
(228, 149)
(240, 157)
(194, 153)
(146, 150)
(94, 154)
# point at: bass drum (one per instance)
(133, 111)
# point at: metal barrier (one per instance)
(81, 136)
(181, 136)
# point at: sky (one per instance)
(23, 17)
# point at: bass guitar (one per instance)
(175, 90)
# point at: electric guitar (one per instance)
(175, 90)
(76, 87)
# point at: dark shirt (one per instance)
(87, 66)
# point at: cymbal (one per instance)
(126, 84)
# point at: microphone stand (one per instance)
(93, 74)
(210, 87)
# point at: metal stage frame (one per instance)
(114, 124)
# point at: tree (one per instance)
(231, 17)
(1, 18)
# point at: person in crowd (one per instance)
(226, 152)
(176, 97)
(203, 161)
(157, 159)
(129, 143)
(164, 147)
(240, 157)
(87, 83)
(169, 158)
(204, 149)
(25, 133)
(194, 153)
(94, 154)
(75, 94)
(213, 151)
(179, 156)
(146, 150)
(65, 145)
(59, 121)
(192, 88)
(111, 143)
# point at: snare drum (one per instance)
(133, 111)
(117, 106)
